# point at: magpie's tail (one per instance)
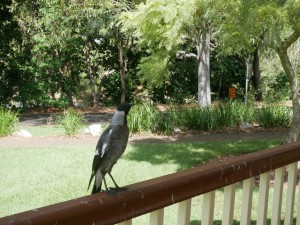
(92, 175)
(94, 190)
(97, 183)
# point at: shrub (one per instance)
(274, 116)
(233, 113)
(8, 121)
(145, 117)
(71, 121)
(167, 121)
(201, 118)
(142, 117)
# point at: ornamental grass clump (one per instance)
(274, 116)
(168, 121)
(200, 118)
(142, 117)
(71, 121)
(8, 121)
(230, 114)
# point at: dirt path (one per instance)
(21, 142)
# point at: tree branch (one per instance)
(291, 39)
(184, 55)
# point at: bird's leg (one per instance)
(117, 188)
(106, 189)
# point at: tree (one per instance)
(67, 37)
(163, 26)
(278, 23)
(18, 74)
(10, 39)
(122, 42)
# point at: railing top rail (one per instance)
(147, 196)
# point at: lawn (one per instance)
(35, 177)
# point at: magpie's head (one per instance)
(125, 107)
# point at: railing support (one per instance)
(208, 208)
(127, 222)
(184, 212)
(290, 199)
(247, 201)
(264, 184)
(157, 217)
(229, 196)
(277, 198)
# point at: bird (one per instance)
(110, 147)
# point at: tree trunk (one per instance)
(70, 98)
(89, 71)
(122, 64)
(256, 76)
(287, 66)
(203, 52)
(249, 71)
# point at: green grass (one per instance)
(35, 177)
(44, 130)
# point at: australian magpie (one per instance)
(111, 145)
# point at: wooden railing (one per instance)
(152, 196)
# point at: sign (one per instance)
(232, 92)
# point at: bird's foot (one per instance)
(116, 190)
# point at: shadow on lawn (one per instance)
(187, 155)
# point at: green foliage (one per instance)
(167, 121)
(161, 27)
(145, 117)
(274, 116)
(223, 115)
(111, 88)
(71, 121)
(200, 118)
(160, 24)
(8, 121)
(180, 86)
(226, 71)
(51, 47)
(153, 69)
(142, 117)
(233, 113)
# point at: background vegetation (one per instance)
(60, 53)
(233, 114)
(145, 117)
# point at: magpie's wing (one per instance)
(103, 142)
(101, 149)
(118, 143)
